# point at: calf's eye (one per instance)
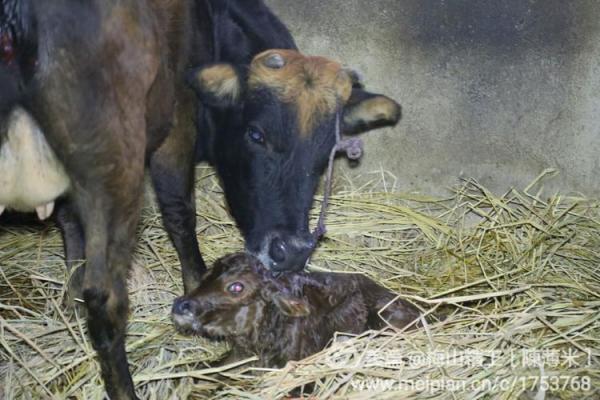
(256, 135)
(236, 287)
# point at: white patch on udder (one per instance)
(31, 177)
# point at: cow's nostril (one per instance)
(278, 250)
(182, 306)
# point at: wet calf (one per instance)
(285, 318)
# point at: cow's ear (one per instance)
(217, 85)
(289, 305)
(365, 111)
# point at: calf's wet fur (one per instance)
(285, 318)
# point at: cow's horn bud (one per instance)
(275, 61)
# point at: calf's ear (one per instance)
(365, 111)
(217, 85)
(290, 305)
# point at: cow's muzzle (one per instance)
(282, 253)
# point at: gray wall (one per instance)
(497, 90)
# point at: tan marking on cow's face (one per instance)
(221, 81)
(378, 108)
(314, 85)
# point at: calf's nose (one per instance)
(182, 306)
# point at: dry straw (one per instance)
(509, 286)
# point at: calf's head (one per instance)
(234, 298)
(278, 129)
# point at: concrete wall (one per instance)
(497, 90)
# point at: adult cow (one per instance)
(100, 81)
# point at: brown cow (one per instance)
(100, 94)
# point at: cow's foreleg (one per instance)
(172, 170)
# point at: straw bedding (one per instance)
(509, 286)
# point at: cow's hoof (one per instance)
(74, 294)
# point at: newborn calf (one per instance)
(285, 318)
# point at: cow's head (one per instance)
(276, 131)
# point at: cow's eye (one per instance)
(256, 135)
(236, 287)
